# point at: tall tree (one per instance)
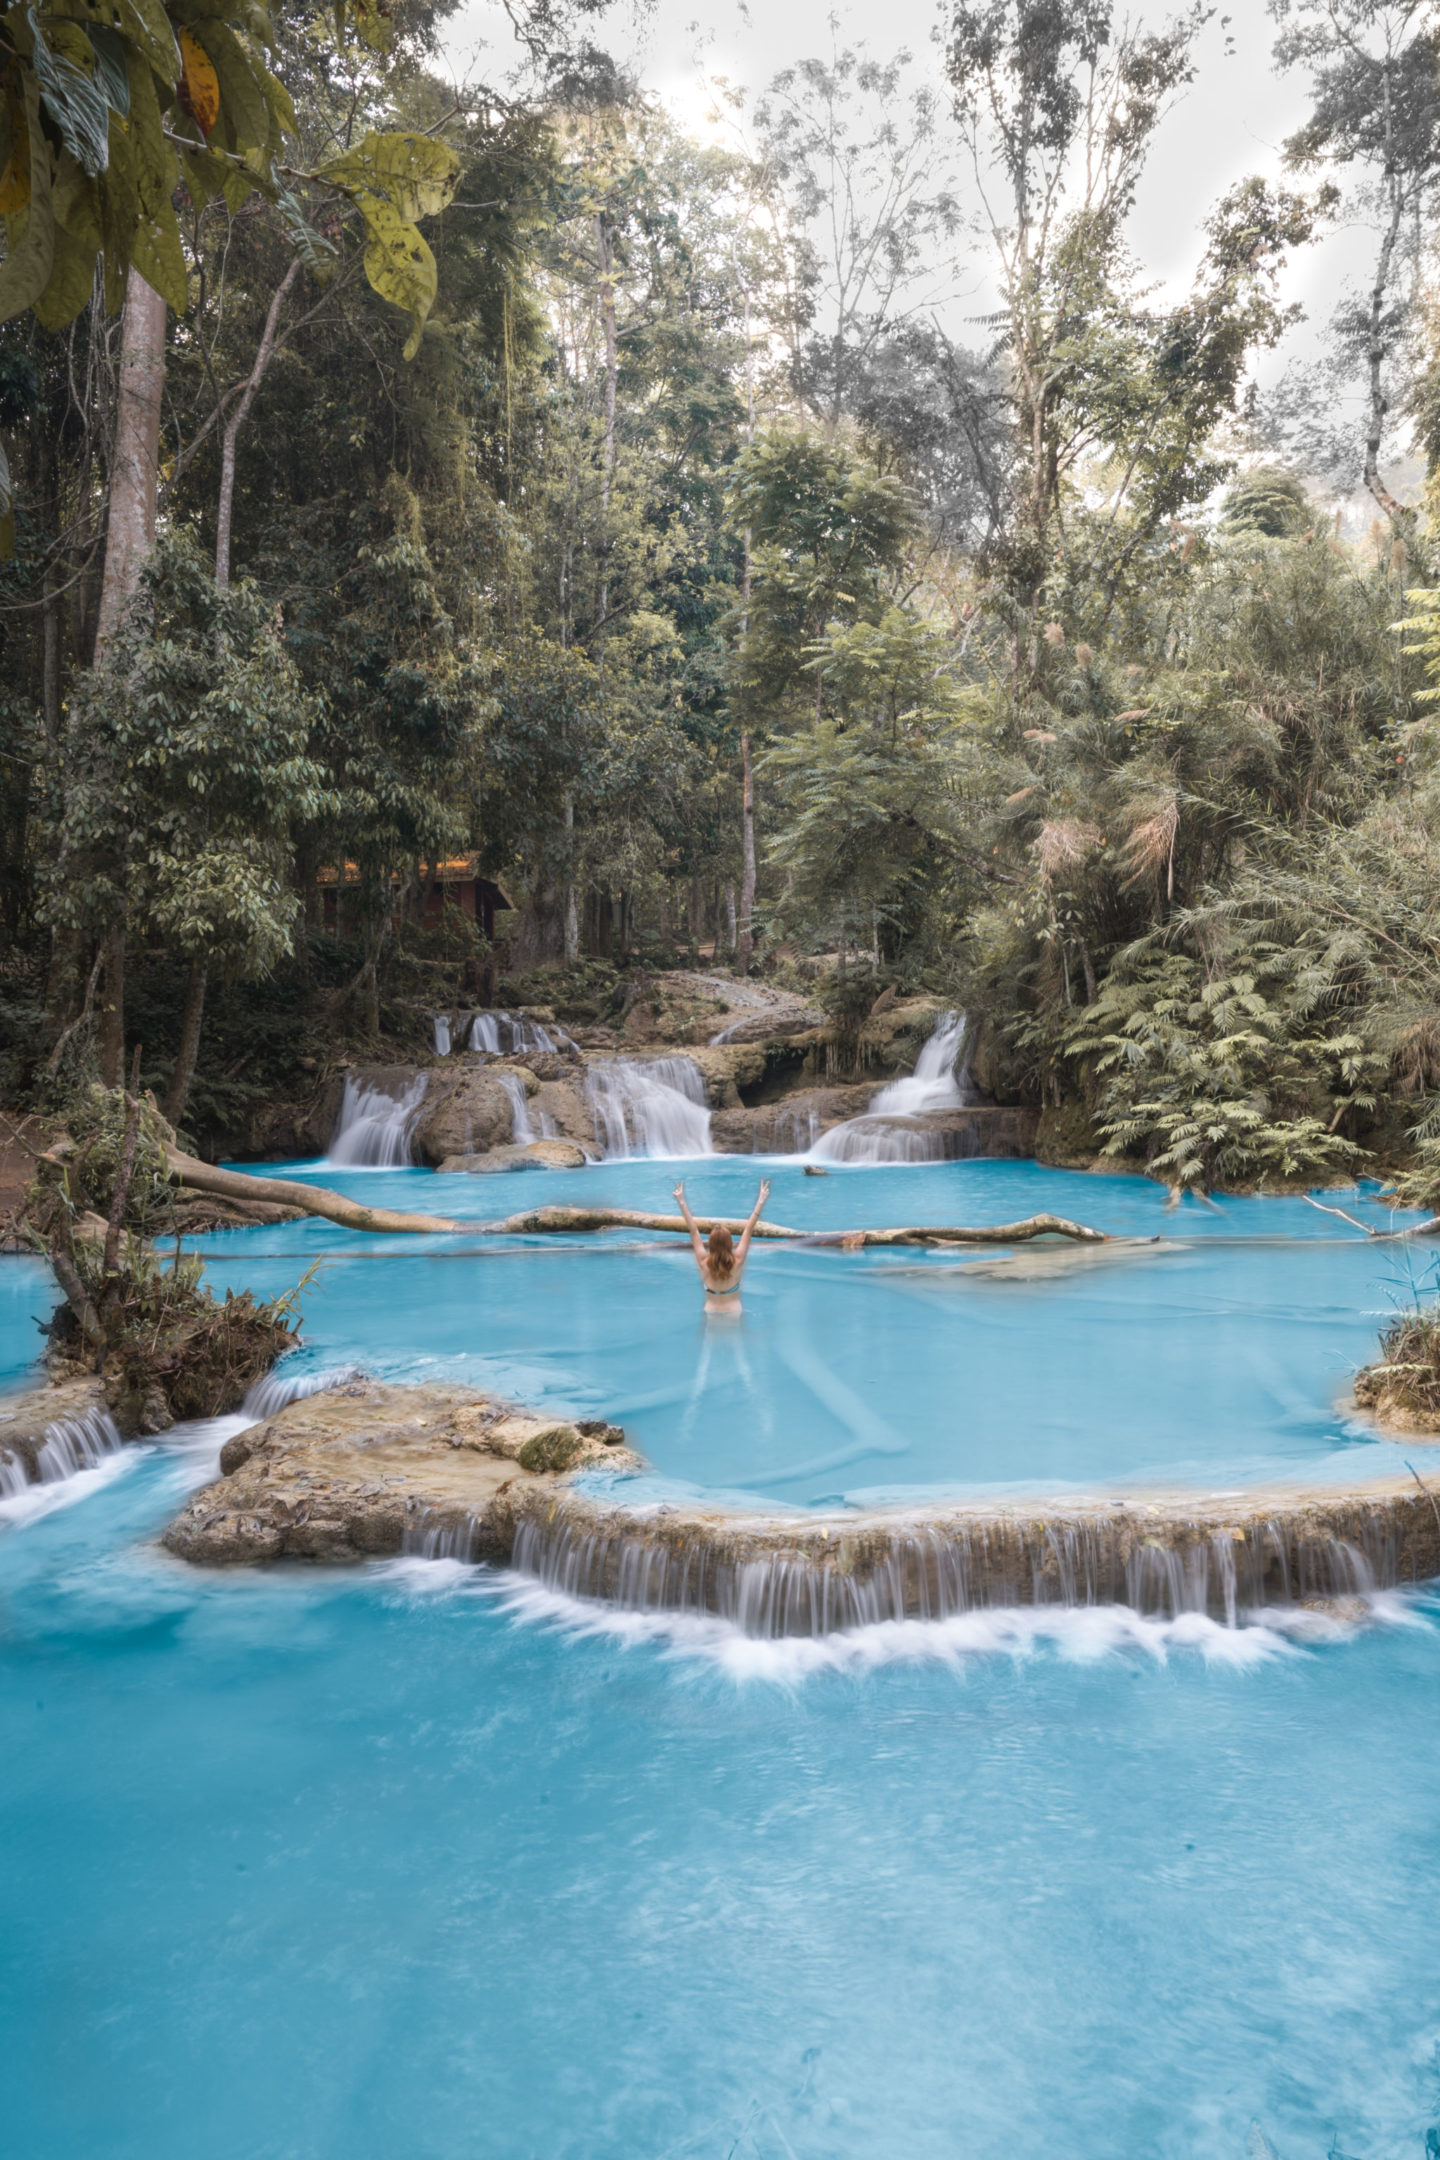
(1375, 73)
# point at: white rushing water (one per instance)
(656, 1107)
(441, 1022)
(882, 1135)
(502, 1034)
(373, 1130)
(283, 1384)
(75, 1457)
(522, 1132)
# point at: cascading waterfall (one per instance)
(941, 1571)
(431, 1537)
(373, 1130)
(503, 1034)
(74, 1444)
(66, 1447)
(522, 1132)
(656, 1107)
(441, 1023)
(276, 1390)
(881, 1135)
(794, 1132)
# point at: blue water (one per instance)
(26, 1297)
(414, 1860)
(1217, 1357)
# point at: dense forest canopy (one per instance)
(397, 474)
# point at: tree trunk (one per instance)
(572, 913)
(190, 1024)
(112, 1008)
(605, 254)
(311, 1199)
(1379, 404)
(237, 421)
(130, 532)
(129, 537)
(745, 943)
(730, 915)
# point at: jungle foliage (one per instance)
(538, 487)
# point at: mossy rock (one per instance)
(558, 1448)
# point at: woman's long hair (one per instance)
(720, 1247)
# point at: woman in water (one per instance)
(720, 1260)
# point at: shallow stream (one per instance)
(423, 1860)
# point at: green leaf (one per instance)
(110, 70)
(72, 96)
(157, 254)
(144, 25)
(318, 254)
(119, 209)
(72, 274)
(30, 233)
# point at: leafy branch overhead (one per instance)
(109, 109)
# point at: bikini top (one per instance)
(730, 1290)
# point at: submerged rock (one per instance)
(370, 1469)
(534, 1155)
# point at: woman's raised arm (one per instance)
(744, 1246)
(696, 1244)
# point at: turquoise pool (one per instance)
(420, 1860)
(1216, 1357)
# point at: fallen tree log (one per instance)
(539, 1220)
(311, 1199)
(354, 1215)
(1012, 1233)
(536, 1220)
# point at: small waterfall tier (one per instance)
(441, 1024)
(504, 1034)
(523, 1128)
(374, 1129)
(653, 1107)
(895, 1128)
(796, 1577)
(66, 1447)
(283, 1384)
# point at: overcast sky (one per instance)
(1231, 122)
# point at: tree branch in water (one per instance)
(353, 1215)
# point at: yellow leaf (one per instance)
(199, 91)
(417, 174)
(398, 264)
(392, 179)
